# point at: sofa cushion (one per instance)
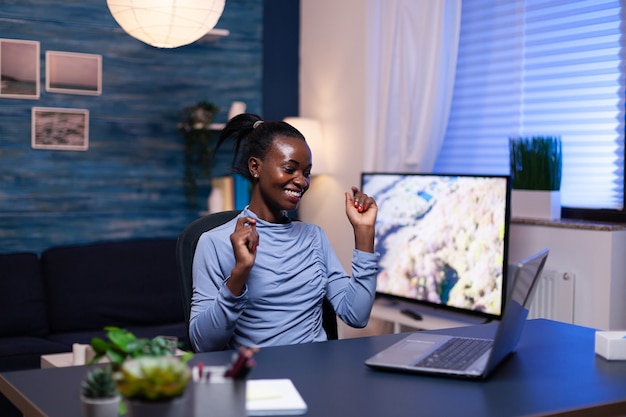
(127, 283)
(22, 303)
(25, 352)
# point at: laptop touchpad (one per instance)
(410, 349)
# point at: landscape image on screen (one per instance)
(442, 239)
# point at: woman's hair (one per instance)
(253, 137)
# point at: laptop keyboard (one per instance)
(456, 353)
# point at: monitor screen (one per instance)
(442, 239)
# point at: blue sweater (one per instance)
(295, 269)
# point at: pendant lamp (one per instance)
(166, 23)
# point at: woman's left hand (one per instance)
(361, 210)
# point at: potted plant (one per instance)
(536, 165)
(148, 376)
(198, 134)
(153, 386)
(99, 395)
(120, 345)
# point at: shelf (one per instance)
(213, 35)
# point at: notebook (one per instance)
(273, 397)
(444, 355)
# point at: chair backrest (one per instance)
(186, 247)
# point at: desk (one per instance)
(554, 372)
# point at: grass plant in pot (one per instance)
(536, 165)
(99, 395)
(146, 373)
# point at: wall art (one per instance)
(73, 73)
(61, 129)
(19, 69)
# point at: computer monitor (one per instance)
(442, 239)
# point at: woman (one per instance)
(259, 280)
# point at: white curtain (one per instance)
(412, 49)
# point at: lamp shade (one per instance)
(166, 23)
(312, 131)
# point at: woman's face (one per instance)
(284, 173)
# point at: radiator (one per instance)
(554, 297)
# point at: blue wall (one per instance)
(129, 183)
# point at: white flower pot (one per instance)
(536, 204)
(100, 407)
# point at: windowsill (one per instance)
(570, 224)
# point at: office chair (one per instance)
(186, 247)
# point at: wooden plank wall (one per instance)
(129, 182)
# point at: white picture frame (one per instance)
(19, 69)
(73, 73)
(60, 129)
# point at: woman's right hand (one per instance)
(244, 240)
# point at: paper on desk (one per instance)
(273, 397)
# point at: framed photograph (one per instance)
(73, 73)
(19, 69)
(62, 129)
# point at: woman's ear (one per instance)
(254, 166)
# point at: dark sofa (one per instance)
(69, 294)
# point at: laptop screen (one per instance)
(443, 239)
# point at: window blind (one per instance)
(541, 68)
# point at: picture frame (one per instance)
(60, 129)
(73, 73)
(19, 69)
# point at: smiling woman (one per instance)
(274, 273)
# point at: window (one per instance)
(543, 68)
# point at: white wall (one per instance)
(332, 90)
(597, 259)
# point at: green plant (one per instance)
(150, 378)
(99, 383)
(120, 345)
(536, 163)
(142, 368)
(196, 128)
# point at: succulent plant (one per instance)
(151, 378)
(99, 383)
(143, 369)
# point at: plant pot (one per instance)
(100, 407)
(536, 204)
(171, 408)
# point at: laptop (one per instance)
(443, 355)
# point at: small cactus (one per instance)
(99, 383)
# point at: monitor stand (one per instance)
(402, 313)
